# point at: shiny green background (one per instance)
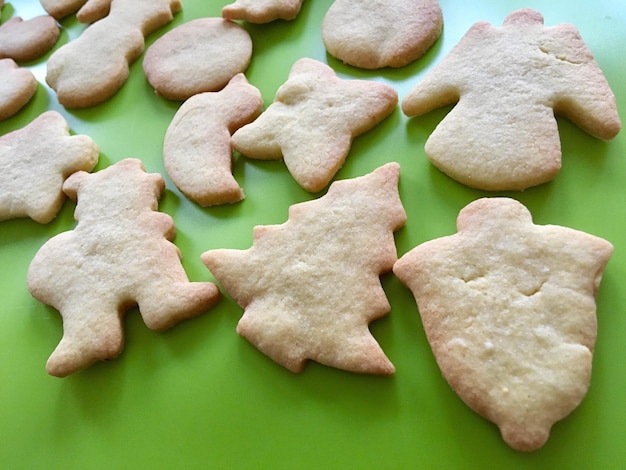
(200, 396)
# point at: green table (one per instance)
(200, 396)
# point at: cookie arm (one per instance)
(584, 95)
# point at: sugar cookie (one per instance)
(119, 255)
(197, 151)
(509, 310)
(262, 11)
(373, 34)
(509, 83)
(313, 120)
(93, 67)
(310, 287)
(17, 87)
(34, 163)
(197, 56)
(28, 40)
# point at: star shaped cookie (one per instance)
(310, 287)
(507, 84)
(313, 120)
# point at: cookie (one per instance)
(197, 151)
(509, 310)
(119, 255)
(262, 11)
(92, 68)
(34, 163)
(17, 86)
(93, 10)
(59, 9)
(509, 83)
(28, 40)
(310, 287)
(382, 33)
(197, 56)
(313, 120)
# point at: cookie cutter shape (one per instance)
(510, 82)
(373, 34)
(17, 87)
(34, 163)
(262, 11)
(118, 255)
(509, 310)
(92, 68)
(197, 152)
(313, 120)
(310, 287)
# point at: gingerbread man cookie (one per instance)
(119, 255)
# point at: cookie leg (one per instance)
(90, 334)
(162, 308)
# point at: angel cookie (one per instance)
(313, 120)
(34, 163)
(509, 310)
(373, 34)
(262, 11)
(310, 287)
(197, 151)
(119, 255)
(92, 68)
(208, 53)
(509, 83)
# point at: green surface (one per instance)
(200, 396)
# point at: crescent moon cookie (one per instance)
(119, 255)
(197, 56)
(34, 163)
(197, 151)
(92, 68)
(509, 82)
(509, 310)
(373, 34)
(310, 287)
(313, 120)
(262, 11)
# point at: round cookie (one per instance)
(197, 56)
(374, 34)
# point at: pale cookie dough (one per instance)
(34, 163)
(373, 34)
(313, 120)
(510, 82)
(262, 11)
(93, 11)
(197, 56)
(28, 40)
(310, 287)
(509, 310)
(197, 151)
(17, 87)
(92, 68)
(118, 256)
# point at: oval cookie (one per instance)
(198, 56)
